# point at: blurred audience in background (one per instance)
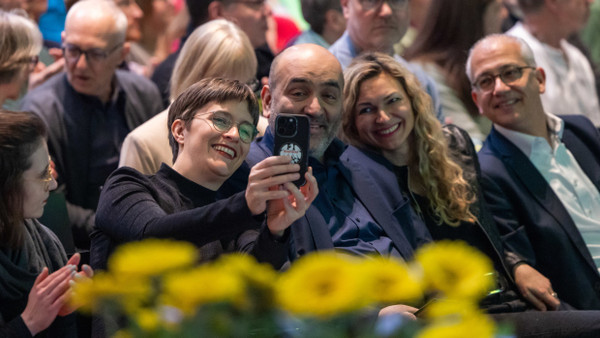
(441, 47)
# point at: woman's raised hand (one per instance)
(281, 213)
(271, 181)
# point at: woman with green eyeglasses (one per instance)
(212, 125)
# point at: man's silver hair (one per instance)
(100, 9)
(526, 52)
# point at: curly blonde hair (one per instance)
(448, 192)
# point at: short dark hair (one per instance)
(314, 11)
(20, 134)
(205, 91)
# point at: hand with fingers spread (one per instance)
(86, 272)
(536, 288)
(47, 296)
(271, 180)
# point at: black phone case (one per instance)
(296, 145)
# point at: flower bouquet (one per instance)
(154, 288)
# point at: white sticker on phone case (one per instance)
(292, 150)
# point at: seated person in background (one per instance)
(450, 29)
(540, 174)
(217, 48)
(212, 125)
(91, 107)
(570, 84)
(46, 62)
(21, 43)
(375, 26)
(156, 40)
(326, 20)
(34, 271)
(388, 117)
(249, 16)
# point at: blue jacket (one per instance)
(532, 220)
(311, 232)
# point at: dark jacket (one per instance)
(532, 220)
(66, 113)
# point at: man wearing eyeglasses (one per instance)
(91, 107)
(541, 177)
(376, 25)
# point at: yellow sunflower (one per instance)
(152, 257)
(205, 284)
(322, 284)
(455, 269)
(88, 294)
(390, 281)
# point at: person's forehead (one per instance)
(97, 30)
(496, 55)
(310, 72)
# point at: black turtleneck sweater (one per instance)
(134, 206)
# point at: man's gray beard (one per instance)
(320, 149)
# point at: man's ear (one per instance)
(62, 37)
(475, 98)
(540, 75)
(177, 129)
(345, 9)
(267, 100)
(215, 10)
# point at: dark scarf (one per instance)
(20, 267)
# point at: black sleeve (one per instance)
(129, 210)
(16, 328)
(264, 246)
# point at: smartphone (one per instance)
(292, 137)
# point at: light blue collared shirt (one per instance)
(569, 182)
(310, 36)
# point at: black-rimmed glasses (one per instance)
(508, 75)
(223, 122)
(372, 4)
(95, 55)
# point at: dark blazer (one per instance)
(394, 215)
(532, 220)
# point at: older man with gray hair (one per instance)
(540, 177)
(91, 107)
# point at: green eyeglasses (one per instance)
(223, 122)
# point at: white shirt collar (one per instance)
(525, 142)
